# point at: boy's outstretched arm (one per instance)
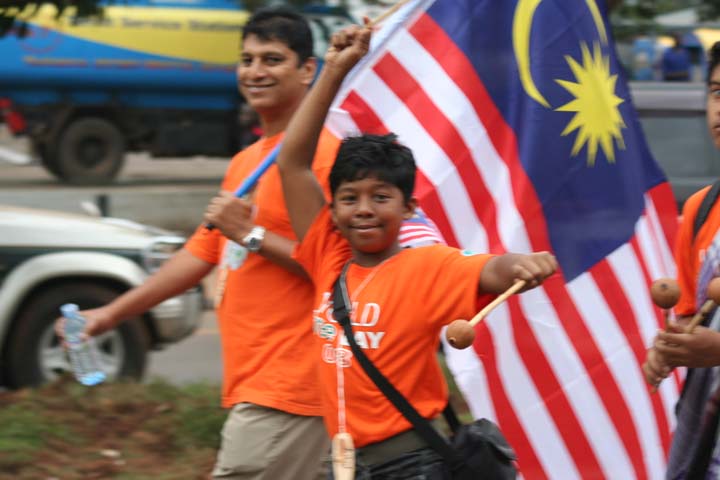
(303, 196)
(502, 271)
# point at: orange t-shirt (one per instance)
(401, 306)
(264, 315)
(688, 254)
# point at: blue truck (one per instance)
(148, 75)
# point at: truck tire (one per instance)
(34, 354)
(90, 152)
(42, 153)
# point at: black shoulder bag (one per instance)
(478, 450)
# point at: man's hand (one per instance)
(97, 321)
(231, 215)
(347, 47)
(698, 349)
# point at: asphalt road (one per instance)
(196, 359)
(169, 193)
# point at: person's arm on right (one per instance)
(180, 273)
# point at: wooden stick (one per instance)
(700, 316)
(501, 298)
(376, 21)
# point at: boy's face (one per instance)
(369, 213)
(713, 106)
(270, 76)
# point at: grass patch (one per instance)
(118, 431)
(123, 431)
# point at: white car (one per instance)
(50, 258)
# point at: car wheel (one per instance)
(35, 355)
(90, 151)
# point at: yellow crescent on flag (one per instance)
(522, 25)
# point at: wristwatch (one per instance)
(253, 240)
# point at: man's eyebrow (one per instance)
(714, 83)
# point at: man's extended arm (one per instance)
(178, 274)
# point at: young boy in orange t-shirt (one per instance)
(401, 298)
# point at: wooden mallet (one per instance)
(713, 293)
(461, 333)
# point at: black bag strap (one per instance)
(421, 425)
(705, 206)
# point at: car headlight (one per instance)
(160, 250)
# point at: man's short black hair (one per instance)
(283, 24)
(379, 156)
(713, 60)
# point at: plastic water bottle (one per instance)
(82, 356)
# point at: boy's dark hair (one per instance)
(283, 24)
(713, 60)
(379, 156)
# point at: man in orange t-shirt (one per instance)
(274, 429)
(400, 298)
(695, 452)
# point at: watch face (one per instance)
(254, 240)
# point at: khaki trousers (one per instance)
(260, 443)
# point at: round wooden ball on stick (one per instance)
(713, 294)
(460, 333)
(665, 292)
(713, 290)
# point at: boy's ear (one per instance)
(309, 68)
(410, 207)
(333, 217)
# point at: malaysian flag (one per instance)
(526, 140)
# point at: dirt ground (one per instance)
(121, 431)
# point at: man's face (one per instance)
(270, 75)
(713, 106)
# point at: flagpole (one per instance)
(394, 8)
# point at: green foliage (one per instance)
(24, 432)
(709, 10)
